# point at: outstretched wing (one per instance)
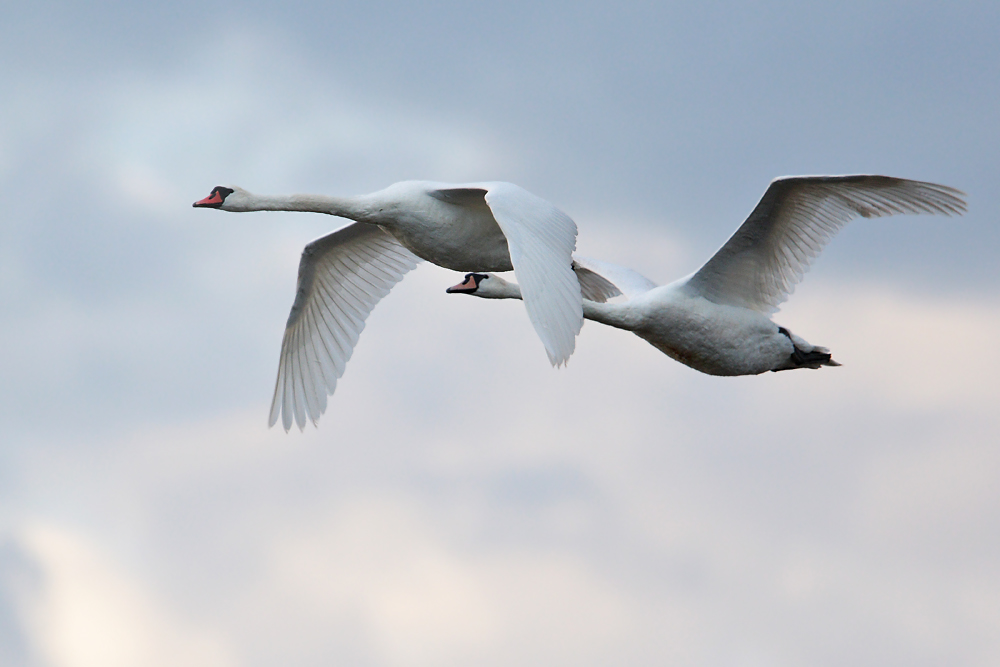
(759, 266)
(630, 283)
(341, 277)
(541, 239)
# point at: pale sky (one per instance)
(461, 502)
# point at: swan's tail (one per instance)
(814, 358)
(805, 355)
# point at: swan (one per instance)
(718, 319)
(465, 227)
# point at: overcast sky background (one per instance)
(462, 503)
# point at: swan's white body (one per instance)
(465, 227)
(709, 337)
(717, 320)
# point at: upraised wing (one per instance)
(341, 277)
(759, 266)
(630, 283)
(541, 239)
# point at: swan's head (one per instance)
(228, 198)
(486, 286)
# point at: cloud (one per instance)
(621, 508)
(87, 612)
(904, 351)
(108, 269)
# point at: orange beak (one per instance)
(468, 286)
(214, 199)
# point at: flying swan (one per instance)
(717, 320)
(464, 227)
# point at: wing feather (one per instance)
(341, 277)
(594, 286)
(541, 240)
(628, 282)
(759, 266)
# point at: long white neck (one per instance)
(354, 208)
(618, 315)
(504, 290)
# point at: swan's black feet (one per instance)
(813, 359)
(802, 359)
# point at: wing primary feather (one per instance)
(352, 308)
(342, 276)
(333, 346)
(359, 278)
(298, 386)
(322, 381)
(761, 263)
(311, 380)
(346, 338)
(276, 398)
(288, 395)
(302, 369)
(288, 358)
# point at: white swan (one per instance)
(717, 320)
(465, 227)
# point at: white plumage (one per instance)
(717, 320)
(759, 266)
(465, 227)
